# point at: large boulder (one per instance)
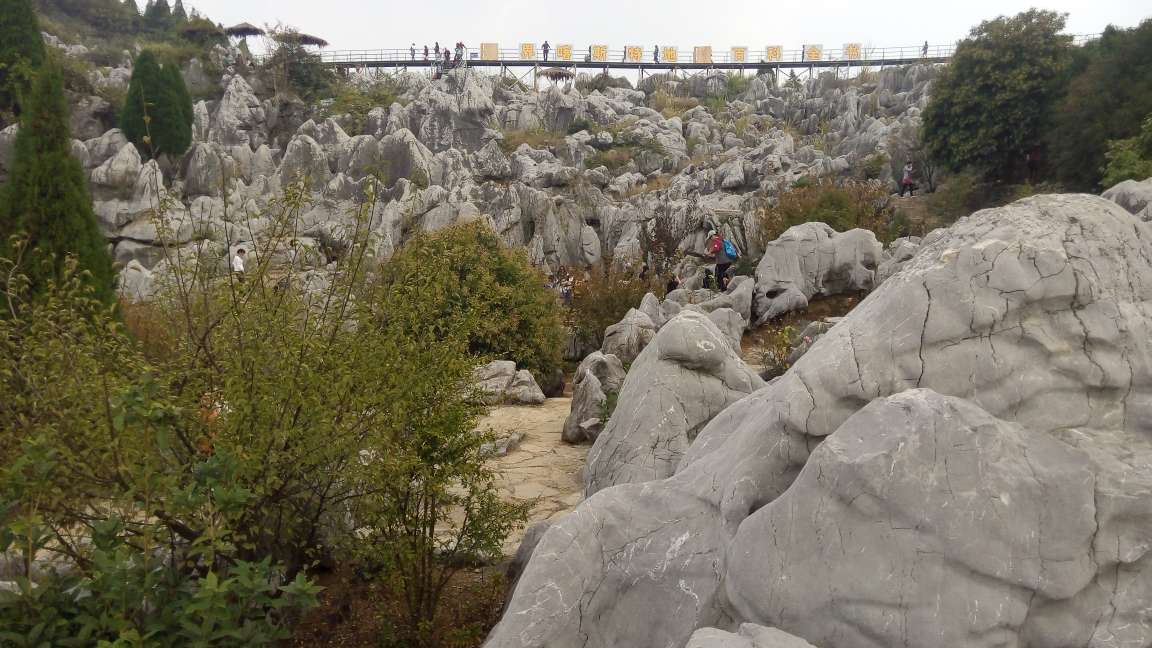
(239, 119)
(499, 382)
(1132, 195)
(686, 376)
(304, 161)
(814, 259)
(1037, 314)
(404, 156)
(598, 375)
(749, 635)
(628, 337)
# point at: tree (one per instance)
(21, 52)
(178, 13)
(992, 105)
(157, 115)
(46, 200)
(465, 273)
(1108, 95)
(158, 15)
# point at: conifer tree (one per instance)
(178, 12)
(21, 51)
(157, 116)
(46, 199)
(132, 7)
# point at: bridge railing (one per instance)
(685, 55)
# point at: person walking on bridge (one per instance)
(412, 51)
(656, 54)
(436, 50)
(924, 52)
(447, 58)
(545, 48)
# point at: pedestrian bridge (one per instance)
(652, 57)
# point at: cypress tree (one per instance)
(178, 92)
(152, 93)
(178, 12)
(46, 198)
(132, 7)
(21, 51)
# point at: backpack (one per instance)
(730, 250)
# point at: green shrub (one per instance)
(603, 299)
(537, 139)
(1129, 159)
(873, 166)
(841, 205)
(580, 124)
(46, 201)
(295, 69)
(613, 158)
(737, 84)
(356, 102)
(464, 273)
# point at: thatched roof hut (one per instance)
(244, 30)
(299, 38)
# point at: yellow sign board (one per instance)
(668, 54)
(813, 52)
(633, 54)
(564, 52)
(702, 54)
(527, 51)
(774, 54)
(600, 53)
(490, 51)
(852, 51)
(739, 54)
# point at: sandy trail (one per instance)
(543, 469)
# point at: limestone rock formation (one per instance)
(598, 375)
(500, 382)
(1031, 325)
(1132, 195)
(687, 375)
(750, 635)
(813, 259)
(628, 337)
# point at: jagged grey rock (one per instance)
(523, 390)
(687, 375)
(406, 157)
(749, 635)
(898, 253)
(597, 375)
(1133, 195)
(239, 118)
(304, 161)
(814, 259)
(1038, 313)
(628, 337)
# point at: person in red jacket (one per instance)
(723, 261)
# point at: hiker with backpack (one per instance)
(725, 254)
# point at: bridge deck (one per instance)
(624, 65)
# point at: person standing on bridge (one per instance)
(447, 57)
(412, 50)
(655, 53)
(924, 52)
(436, 49)
(425, 52)
(545, 48)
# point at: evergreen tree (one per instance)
(46, 198)
(178, 12)
(132, 8)
(178, 94)
(21, 51)
(158, 15)
(153, 94)
(993, 103)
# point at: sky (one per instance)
(356, 24)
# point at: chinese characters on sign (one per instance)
(564, 52)
(813, 52)
(739, 54)
(600, 53)
(490, 51)
(668, 54)
(527, 51)
(774, 54)
(633, 53)
(852, 51)
(702, 54)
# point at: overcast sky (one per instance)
(357, 24)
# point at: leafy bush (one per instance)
(603, 298)
(1129, 159)
(737, 84)
(295, 69)
(873, 166)
(993, 102)
(613, 158)
(670, 105)
(841, 205)
(465, 274)
(580, 124)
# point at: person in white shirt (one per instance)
(238, 264)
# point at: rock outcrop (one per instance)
(1018, 345)
(687, 375)
(500, 382)
(598, 375)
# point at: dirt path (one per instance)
(542, 468)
